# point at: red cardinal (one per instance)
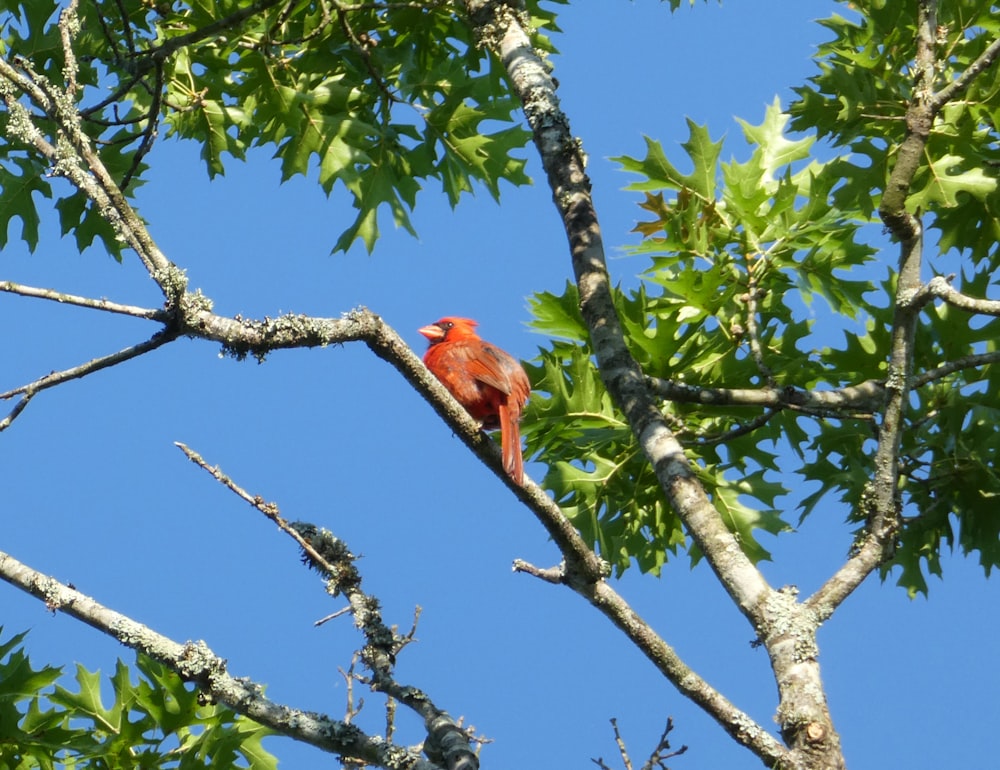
(488, 382)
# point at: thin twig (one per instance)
(57, 378)
(362, 47)
(753, 332)
(740, 430)
(150, 132)
(962, 82)
(217, 27)
(965, 362)
(332, 616)
(620, 743)
(270, 510)
(662, 751)
(555, 575)
(350, 677)
(149, 314)
(657, 757)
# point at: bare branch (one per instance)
(940, 287)
(620, 742)
(195, 662)
(603, 597)
(268, 509)
(865, 397)
(15, 411)
(554, 575)
(740, 725)
(867, 556)
(96, 304)
(332, 616)
(965, 362)
(350, 677)
(331, 557)
(662, 751)
(657, 758)
(57, 378)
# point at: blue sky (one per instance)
(97, 494)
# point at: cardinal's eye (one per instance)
(447, 326)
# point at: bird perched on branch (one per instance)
(488, 382)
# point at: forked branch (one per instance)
(881, 502)
(332, 559)
(501, 27)
(195, 662)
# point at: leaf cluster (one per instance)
(157, 722)
(858, 100)
(738, 252)
(373, 98)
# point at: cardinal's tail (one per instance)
(510, 442)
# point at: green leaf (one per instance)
(20, 179)
(155, 723)
(87, 700)
(661, 173)
(775, 150)
(373, 100)
(945, 180)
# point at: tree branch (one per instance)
(73, 158)
(240, 337)
(331, 557)
(753, 332)
(195, 662)
(866, 557)
(965, 362)
(962, 82)
(149, 314)
(866, 397)
(786, 628)
(69, 28)
(501, 27)
(881, 502)
(738, 724)
(940, 287)
(882, 514)
(174, 44)
(57, 378)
